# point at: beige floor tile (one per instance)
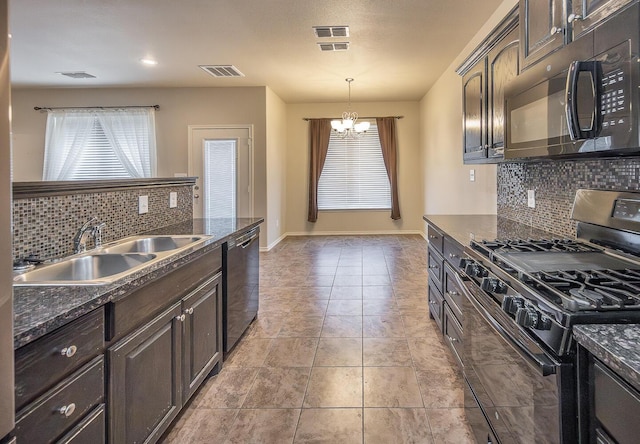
(329, 426)
(201, 426)
(348, 281)
(301, 326)
(264, 327)
(291, 352)
(315, 281)
(374, 268)
(377, 292)
(417, 326)
(376, 279)
(441, 388)
(278, 388)
(385, 352)
(264, 426)
(249, 353)
(382, 327)
(308, 307)
(339, 352)
(344, 307)
(396, 426)
(449, 426)
(314, 293)
(379, 307)
(391, 387)
(227, 389)
(349, 270)
(346, 293)
(318, 271)
(334, 387)
(429, 353)
(342, 327)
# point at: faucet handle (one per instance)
(96, 232)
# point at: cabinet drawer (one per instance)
(90, 431)
(142, 305)
(436, 268)
(435, 238)
(59, 409)
(42, 363)
(436, 303)
(453, 334)
(452, 252)
(453, 293)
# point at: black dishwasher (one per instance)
(241, 288)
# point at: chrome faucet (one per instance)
(92, 227)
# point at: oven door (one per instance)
(525, 395)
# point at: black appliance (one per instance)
(241, 288)
(7, 403)
(581, 101)
(522, 298)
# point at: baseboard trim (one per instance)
(273, 244)
(352, 233)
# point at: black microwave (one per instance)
(581, 101)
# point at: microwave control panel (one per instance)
(614, 99)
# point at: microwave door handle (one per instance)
(571, 96)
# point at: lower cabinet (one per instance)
(89, 431)
(436, 304)
(155, 370)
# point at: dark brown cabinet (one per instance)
(145, 383)
(585, 15)
(485, 74)
(542, 25)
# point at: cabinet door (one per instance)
(474, 113)
(202, 345)
(145, 381)
(587, 14)
(503, 65)
(541, 28)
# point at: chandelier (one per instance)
(349, 127)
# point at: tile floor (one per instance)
(343, 351)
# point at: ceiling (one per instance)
(398, 48)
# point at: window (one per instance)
(220, 161)
(85, 144)
(354, 176)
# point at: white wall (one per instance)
(179, 108)
(276, 166)
(409, 174)
(447, 189)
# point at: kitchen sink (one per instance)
(85, 269)
(151, 244)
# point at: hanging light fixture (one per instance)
(348, 126)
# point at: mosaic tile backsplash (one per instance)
(45, 226)
(555, 184)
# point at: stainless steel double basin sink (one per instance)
(109, 262)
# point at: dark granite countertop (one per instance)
(617, 345)
(38, 310)
(463, 228)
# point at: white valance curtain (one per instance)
(129, 133)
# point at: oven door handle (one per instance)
(543, 364)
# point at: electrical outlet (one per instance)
(143, 204)
(472, 175)
(531, 198)
(173, 199)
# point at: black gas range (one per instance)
(523, 296)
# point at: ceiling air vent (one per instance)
(222, 70)
(338, 46)
(77, 75)
(331, 31)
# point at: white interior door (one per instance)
(222, 160)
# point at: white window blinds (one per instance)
(354, 176)
(100, 144)
(220, 160)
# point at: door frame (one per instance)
(249, 128)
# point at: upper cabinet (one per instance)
(547, 25)
(484, 75)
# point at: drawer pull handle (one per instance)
(181, 318)
(67, 410)
(188, 311)
(432, 302)
(433, 267)
(452, 339)
(69, 351)
(431, 236)
(453, 293)
(451, 255)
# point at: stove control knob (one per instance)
(511, 304)
(527, 317)
(474, 270)
(493, 285)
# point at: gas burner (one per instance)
(535, 245)
(580, 290)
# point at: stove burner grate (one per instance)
(522, 245)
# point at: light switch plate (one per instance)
(531, 198)
(143, 204)
(173, 199)
(472, 175)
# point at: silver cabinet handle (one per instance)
(432, 302)
(555, 30)
(67, 410)
(188, 311)
(196, 196)
(453, 293)
(431, 236)
(452, 339)
(451, 255)
(433, 267)
(69, 351)
(573, 17)
(181, 318)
